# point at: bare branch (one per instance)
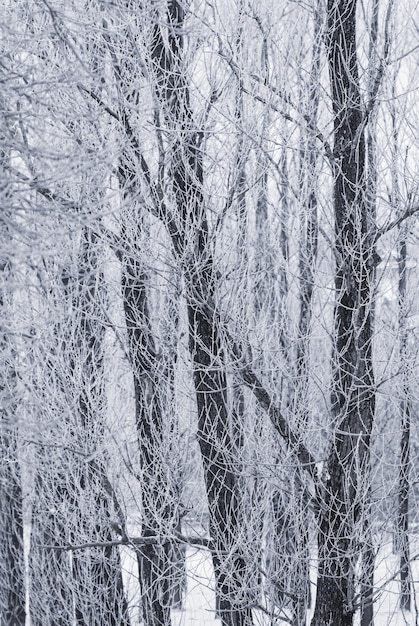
(393, 224)
(198, 542)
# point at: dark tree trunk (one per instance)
(50, 574)
(346, 483)
(221, 481)
(12, 569)
(404, 471)
(157, 514)
(189, 232)
(368, 556)
(99, 597)
(160, 570)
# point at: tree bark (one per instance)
(368, 556)
(157, 500)
(404, 471)
(12, 569)
(191, 244)
(160, 570)
(100, 597)
(344, 503)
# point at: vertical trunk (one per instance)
(309, 222)
(221, 481)
(405, 404)
(346, 485)
(12, 579)
(307, 268)
(368, 558)
(402, 523)
(12, 569)
(12, 590)
(283, 278)
(156, 501)
(152, 377)
(99, 597)
(50, 598)
(193, 251)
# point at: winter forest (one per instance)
(209, 313)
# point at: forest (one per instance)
(209, 313)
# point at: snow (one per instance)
(199, 606)
(199, 603)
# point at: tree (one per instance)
(12, 585)
(75, 502)
(190, 235)
(346, 485)
(12, 589)
(176, 157)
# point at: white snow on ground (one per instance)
(199, 608)
(199, 604)
(200, 597)
(387, 612)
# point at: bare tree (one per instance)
(344, 504)
(12, 585)
(73, 485)
(190, 235)
(191, 139)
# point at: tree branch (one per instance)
(396, 222)
(198, 542)
(291, 438)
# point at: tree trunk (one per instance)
(345, 503)
(404, 471)
(368, 556)
(12, 569)
(190, 238)
(157, 505)
(152, 376)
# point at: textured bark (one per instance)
(404, 471)
(368, 556)
(190, 239)
(12, 569)
(157, 504)
(160, 569)
(346, 484)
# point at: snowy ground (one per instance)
(200, 597)
(199, 607)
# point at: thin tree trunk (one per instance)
(307, 266)
(157, 507)
(402, 522)
(368, 555)
(99, 597)
(12, 569)
(404, 471)
(152, 377)
(346, 485)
